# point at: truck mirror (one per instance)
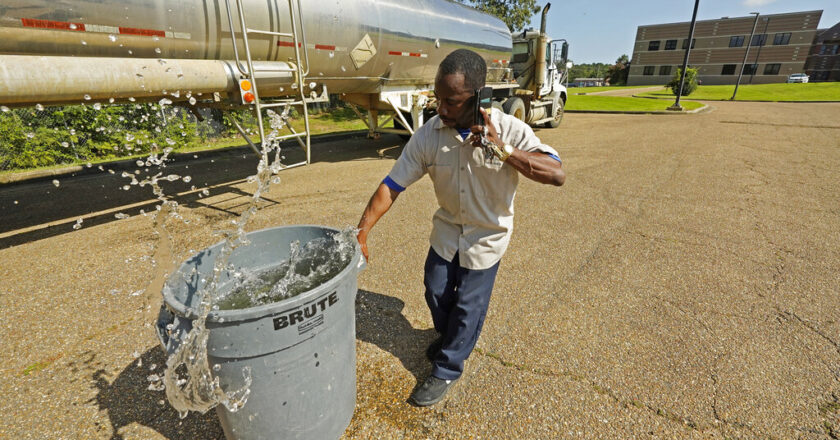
(564, 52)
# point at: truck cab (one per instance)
(541, 95)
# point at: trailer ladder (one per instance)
(298, 37)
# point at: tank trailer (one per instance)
(380, 56)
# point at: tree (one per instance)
(515, 13)
(618, 72)
(690, 82)
(591, 70)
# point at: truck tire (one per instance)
(558, 115)
(515, 107)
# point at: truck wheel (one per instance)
(558, 115)
(515, 107)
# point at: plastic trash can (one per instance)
(301, 350)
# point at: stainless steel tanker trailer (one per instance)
(381, 55)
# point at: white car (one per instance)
(797, 78)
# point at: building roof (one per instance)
(751, 17)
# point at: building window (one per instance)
(670, 44)
(665, 70)
(781, 39)
(728, 69)
(736, 41)
(772, 69)
(750, 69)
(685, 43)
(653, 45)
(649, 70)
(759, 40)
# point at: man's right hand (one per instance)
(362, 238)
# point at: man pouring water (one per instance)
(474, 158)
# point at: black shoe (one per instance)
(434, 348)
(431, 392)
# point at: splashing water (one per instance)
(307, 267)
(188, 380)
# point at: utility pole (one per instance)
(746, 54)
(677, 106)
(760, 45)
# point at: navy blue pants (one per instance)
(458, 299)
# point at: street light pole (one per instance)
(677, 105)
(746, 54)
(760, 45)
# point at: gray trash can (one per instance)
(301, 350)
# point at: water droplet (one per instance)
(112, 37)
(163, 62)
(294, 86)
(187, 179)
(89, 165)
(129, 137)
(165, 101)
(72, 131)
(131, 52)
(30, 135)
(73, 26)
(217, 367)
(84, 43)
(126, 187)
(78, 224)
(39, 107)
(157, 50)
(97, 106)
(192, 101)
(332, 54)
(16, 202)
(56, 183)
(206, 192)
(312, 85)
(65, 144)
(131, 98)
(111, 100)
(121, 216)
(87, 97)
(343, 69)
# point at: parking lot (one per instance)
(682, 284)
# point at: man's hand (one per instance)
(478, 131)
(362, 238)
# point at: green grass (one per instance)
(587, 90)
(621, 103)
(828, 91)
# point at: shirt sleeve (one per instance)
(410, 166)
(521, 136)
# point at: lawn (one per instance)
(828, 91)
(588, 90)
(621, 103)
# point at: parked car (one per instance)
(797, 78)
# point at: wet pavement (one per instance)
(682, 284)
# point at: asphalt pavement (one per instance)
(682, 284)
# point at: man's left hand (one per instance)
(478, 131)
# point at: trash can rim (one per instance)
(238, 315)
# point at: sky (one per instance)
(601, 31)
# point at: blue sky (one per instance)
(603, 30)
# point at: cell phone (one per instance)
(483, 99)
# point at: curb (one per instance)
(122, 164)
(705, 107)
(737, 100)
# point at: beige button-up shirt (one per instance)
(475, 190)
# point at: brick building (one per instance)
(780, 46)
(823, 63)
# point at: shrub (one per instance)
(690, 82)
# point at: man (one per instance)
(475, 189)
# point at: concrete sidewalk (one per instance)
(683, 284)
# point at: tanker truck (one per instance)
(379, 55)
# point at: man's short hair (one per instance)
(467, 63)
